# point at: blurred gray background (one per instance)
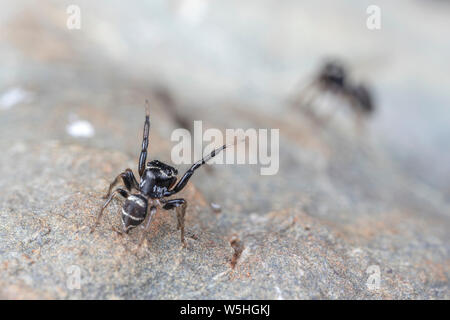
(213, 53)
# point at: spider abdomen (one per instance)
(134, 211)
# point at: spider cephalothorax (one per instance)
(157, 179)
(157, 182)
(332, 75)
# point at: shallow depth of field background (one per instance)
(212, 53)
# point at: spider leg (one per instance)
(185, 178)
(143, 156)
(122, 192)
(310, 95)
(128, 180)
(359, 121)
(326, 118)
(305, 93)
(151, 212)
(358, 112)
(180, 206)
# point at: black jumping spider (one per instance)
(157, 182)
(333, 78)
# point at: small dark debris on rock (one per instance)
(238, 247)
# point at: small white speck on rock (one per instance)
(13, 96)
(216, 207)
(80, 129)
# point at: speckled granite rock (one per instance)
(313, 247)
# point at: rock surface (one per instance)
(341, 210)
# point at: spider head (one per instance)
(333, 73)
(162, 168)
(160, 174)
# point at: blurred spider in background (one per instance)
(332, 78)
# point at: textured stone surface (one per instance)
(342, 201)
